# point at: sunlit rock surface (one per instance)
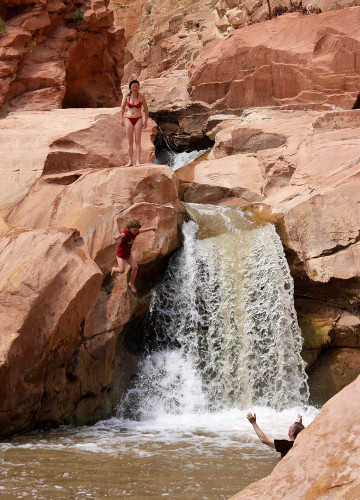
(36, 143)
(301, 60)
(324, 462)
(64, 354)
(192, 67)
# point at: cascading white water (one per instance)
(225, 325)
(178, 160)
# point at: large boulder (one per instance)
(48, 284)
(293, 60)
(69, 351)
(209, 180)
(324, 460)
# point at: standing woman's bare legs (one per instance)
(129, 127)
(137, 130)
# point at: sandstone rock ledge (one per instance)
(68, 348)
(325, 459)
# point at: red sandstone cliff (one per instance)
(64, 321)
(60, 54)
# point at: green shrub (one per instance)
(3, 28)
(79, 16)
(148, 9)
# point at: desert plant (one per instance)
(79, 16)
(148, 9)
(3, 28)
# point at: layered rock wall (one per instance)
(60, 54)
(294, 61)
(169, 35)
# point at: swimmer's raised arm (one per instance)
(263, 438)
(119, 236)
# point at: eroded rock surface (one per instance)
(35, 143)
(48, 284)
(295, 60)
(60, 54)
(166, 36)
(68, 350)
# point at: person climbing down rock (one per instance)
(280, 445)
(123, 254)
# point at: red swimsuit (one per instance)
(138, 105)
(126, 244)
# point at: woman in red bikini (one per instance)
(123, 254)
(134, 123)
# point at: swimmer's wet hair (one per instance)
(133, 223)
(297, 427)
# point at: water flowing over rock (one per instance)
(63, 349)
(57, 54)
(222, 327)
(308, 186)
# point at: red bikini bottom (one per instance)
(134, 120)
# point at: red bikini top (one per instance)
(138, 105)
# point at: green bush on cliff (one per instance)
(3, 28)
(148, 9)
(79, 16)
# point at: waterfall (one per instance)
(224, 324)
(178, 160)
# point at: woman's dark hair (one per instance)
(133, 81)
